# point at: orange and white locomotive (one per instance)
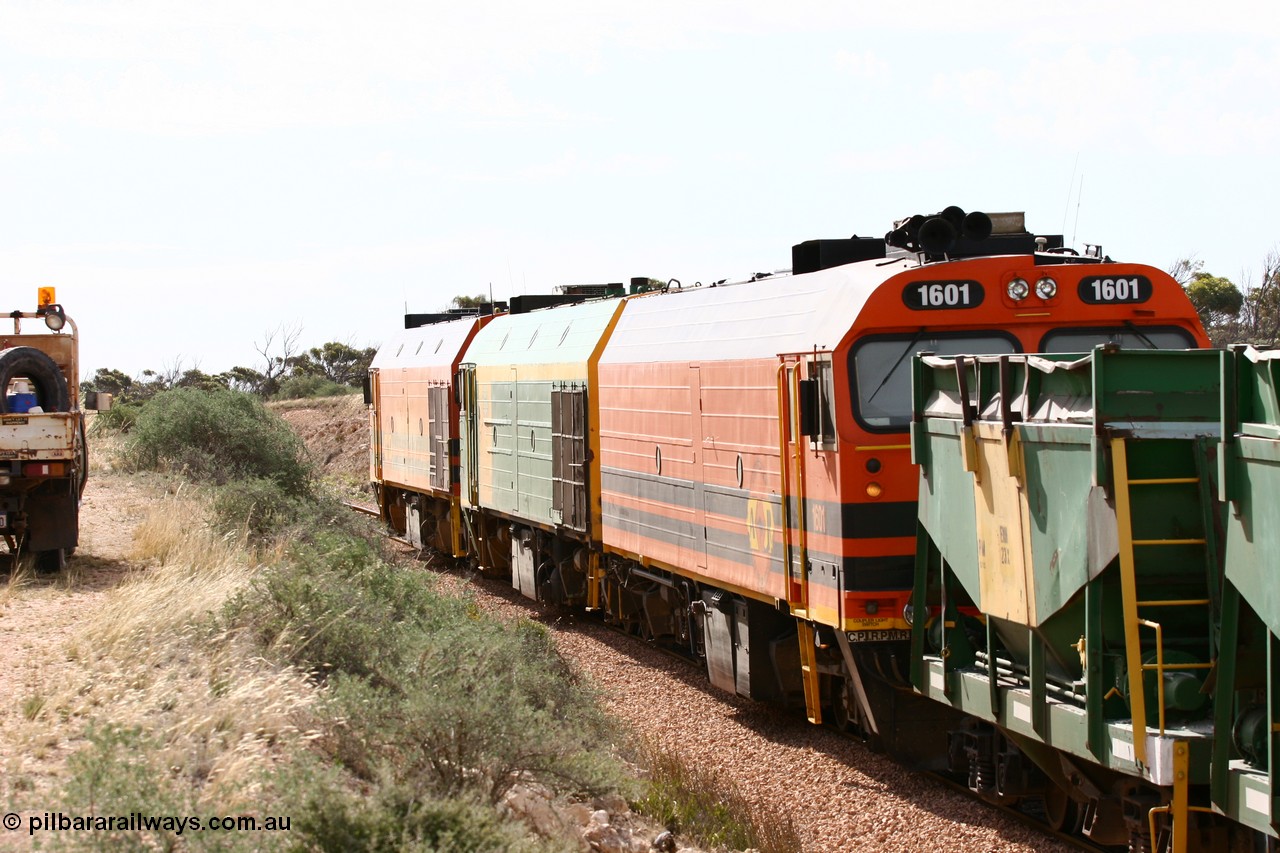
(725, 468)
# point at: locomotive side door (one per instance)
(469, 433)
(375, 426)
(569, 455)
(438, 436)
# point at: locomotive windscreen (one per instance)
(880, 369)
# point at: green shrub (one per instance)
(331, 819)
(266, 511)
(113, 775)
(479, 703)
(298, 387)
(260, 507)
(333, 605)
(119, 773)
(118, 418)
(217, 436)
(432, 692)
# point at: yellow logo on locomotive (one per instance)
(760, 524)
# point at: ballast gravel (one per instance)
(840, 795)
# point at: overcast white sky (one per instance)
(191, 176)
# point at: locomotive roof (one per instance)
(426, 346)
(758, 319)
(564, 335)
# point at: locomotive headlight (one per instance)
(873, 490)
(1046, 288)
(1018, 289)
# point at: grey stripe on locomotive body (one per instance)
(854, 574)
(878, 520)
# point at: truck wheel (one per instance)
(34, 365)
(54, 560)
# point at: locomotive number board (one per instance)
(1114, 289)
(939, 295)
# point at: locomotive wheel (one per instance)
(844, 708)
(846, 714)
(30, 363)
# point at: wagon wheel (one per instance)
(1062, 813)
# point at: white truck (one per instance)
(43, 455)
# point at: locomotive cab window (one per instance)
(880, 370)
(817, 405)
(1126, 337)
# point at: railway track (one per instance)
(365, 509)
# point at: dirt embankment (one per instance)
(336, 433)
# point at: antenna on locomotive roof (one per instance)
(1076, 224)
(1066, 208)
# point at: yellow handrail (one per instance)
(801, 526)
(784, 432)
(1129, 601)
(1159, 667)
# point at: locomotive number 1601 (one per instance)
(1110, 290)
(932, 295)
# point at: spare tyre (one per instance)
(31, 363)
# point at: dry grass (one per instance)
(106, 448)
(342, 402)
(20, 577)
(150, 658)
(693, 800)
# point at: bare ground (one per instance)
(40, 615)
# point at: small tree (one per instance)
(198, 379)
(338, 362)
(114, 382)
(244, 379)
(1260, 315)
(1218, 301)
(470, 301)
(279, 350)
(1184, 269)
